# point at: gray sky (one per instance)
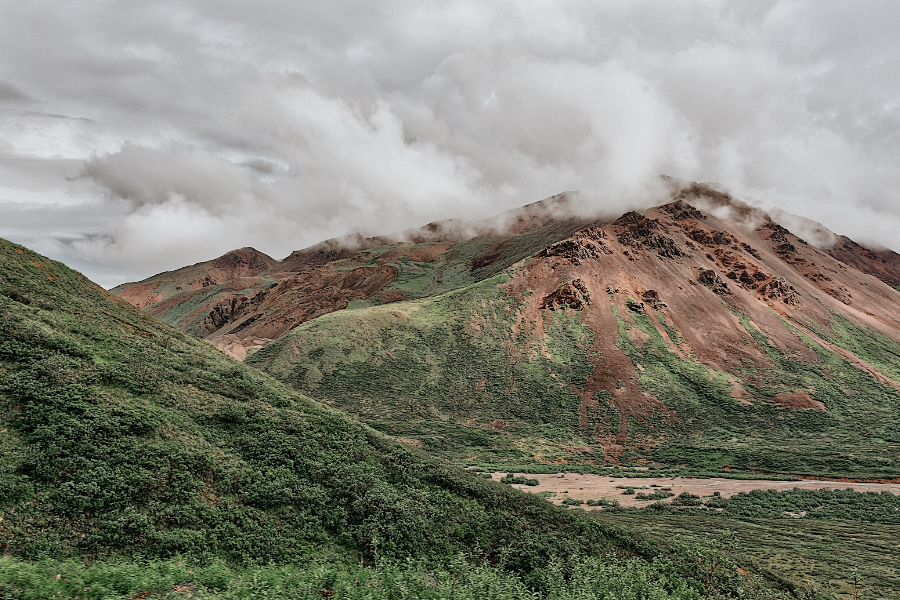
(137, 137)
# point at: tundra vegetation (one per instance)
(137, 461)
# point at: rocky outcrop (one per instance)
(639, 232)
(573, 294)
(712, 281)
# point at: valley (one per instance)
(345, 407)
(587, 486)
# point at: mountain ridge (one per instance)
(231, 312)
(623, 337)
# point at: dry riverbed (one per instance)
(596, 487)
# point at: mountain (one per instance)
(132, 454)
(246, 311)
(700, 332)
(883, 264)
(121, 435)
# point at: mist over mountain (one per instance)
(136, 139)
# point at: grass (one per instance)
(385, 362)
(810, 554)
(124, 435)
(609, 578)
(127, 445)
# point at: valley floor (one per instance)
(595, 487)
(824, 555)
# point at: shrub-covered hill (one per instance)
(139, 462)
(672, 336)
(122, 435)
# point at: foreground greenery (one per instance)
(818, 556)
(121, 437)
(585, 579)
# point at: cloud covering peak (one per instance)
(139, 138)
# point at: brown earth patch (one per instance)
(429, 254)
(596, 487)
(42, 268)
(490, 255)
(637, 337)
(395, 255)
(740, 394)
(392, 296)
(142, 295)
(797, 400)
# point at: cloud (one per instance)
(188, 129)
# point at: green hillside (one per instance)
(123, 441)
(463, 376)
(122, 433)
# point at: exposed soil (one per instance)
(595, 487)
(429, 253)
(797, 400)
(699, 278)
(273, 312)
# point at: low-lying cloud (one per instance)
(189, 129)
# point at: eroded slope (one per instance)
(670, 336)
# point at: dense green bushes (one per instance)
(845, 504)
(585, 579)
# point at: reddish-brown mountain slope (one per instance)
(243, 300)
(247, 311)
(244, 264)
(714, 334)
(883, 264)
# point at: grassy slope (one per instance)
(122, 438)
(121, 435)
(413, 369)
(422, 370)
(827, 554)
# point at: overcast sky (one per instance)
(137, 137)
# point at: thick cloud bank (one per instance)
(138, 137)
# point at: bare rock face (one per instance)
(680, 211)
(712, 281)
(779, 289)
(651, 299)
(639, 232)
(573, 294)
(635, 306)
(583, 245)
